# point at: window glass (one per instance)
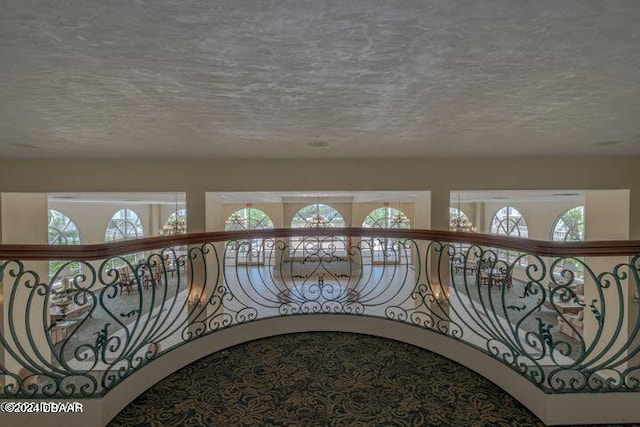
(569, 227)
(253, 251)
(508, 221)
(318, 215)
(62, 231)
(125, 224)
(386, 217)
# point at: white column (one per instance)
(214, 220)
(155, 219)
(421, 221)
(440, 203)
(24, 221)
(204, 213)
(2, 310)
(439, 269)
(634, 233)
(196, 211)
(607, 218)
(195, 270)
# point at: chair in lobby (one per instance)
(155, 279)
(127, 281)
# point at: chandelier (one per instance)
(177, 222)
(235, 221)
(174, 225)
(460, 222)
(399, 219)
(318, 220)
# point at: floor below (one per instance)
(325, 378)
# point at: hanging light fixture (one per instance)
(460, 222)
(399, 219)
(318, 220)
(176, 224)
(235, 221)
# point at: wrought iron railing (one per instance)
(565, 326)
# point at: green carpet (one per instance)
(322, 379)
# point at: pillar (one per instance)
(24, 221)
(440, 203)
(607, 217)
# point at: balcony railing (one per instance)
(566, 320)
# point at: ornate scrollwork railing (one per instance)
(565, 316)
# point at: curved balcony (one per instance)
(554, 324)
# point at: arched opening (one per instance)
(508, 221)
(62, 231)
(125, 224)
(318, 215)
(248, 252)
(569, 227)
(387, 250)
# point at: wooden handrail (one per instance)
(105, 250)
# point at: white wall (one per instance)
(24, 220)
(311, 175)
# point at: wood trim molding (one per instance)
(535, 247)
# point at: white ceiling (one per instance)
(318, 78)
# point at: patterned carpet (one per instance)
(325, 379)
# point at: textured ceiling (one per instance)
(307, 79)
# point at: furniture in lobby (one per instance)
(571, 324)
(494, 276)
(61, 329)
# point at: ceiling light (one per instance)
(318, 144)
(23, 145)
(607, 143)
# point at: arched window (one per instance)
(62, 231)
(318, 215)
(125, 224)
(248, 219)
(508, 221)
(249, 252)
(386, 217)
(386, 250)
(175, 224)
(569, 227)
